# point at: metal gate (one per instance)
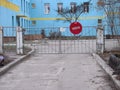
(61, 40)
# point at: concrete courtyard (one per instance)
(57, 72)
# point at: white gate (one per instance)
(61, 40)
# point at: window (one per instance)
(22, 22)
(60, 7)
(18, 20)
(33, 22)
(86, 6)
(99, 20)
(12, 21)
(24, 6)
(73, 7)
(33, 5)
(21, 5)
(28, 8)
(47, 8)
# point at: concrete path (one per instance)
(57, 72)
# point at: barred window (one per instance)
(60, 7)
(86, 6)
(47, 8)
(33, 22)
(99, 20)
(33, 5)
(73, 7)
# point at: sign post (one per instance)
(75, 27)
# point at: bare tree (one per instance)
(72, 14)
(110, 10)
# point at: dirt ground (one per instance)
(11, 55)
(106, 55)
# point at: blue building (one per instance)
(14, 13)
(31, 13)
(41, 17)
(45, 13)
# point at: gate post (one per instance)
(19, 40)
(100, 40)
(1, 40)
(60, 51)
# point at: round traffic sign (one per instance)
(75, 27)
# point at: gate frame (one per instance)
(19, 42)
(36, 41)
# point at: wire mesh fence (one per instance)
(9, 39)
(112, 37)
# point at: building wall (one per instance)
(31, 13)
(29, 16)
(14, 13)
(49, 20)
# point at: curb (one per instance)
(107, 69)
(15, 62)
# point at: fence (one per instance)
(9, 39)
(13, 40)
(111, 37)
(61, 40)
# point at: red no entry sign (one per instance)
(75, 27)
